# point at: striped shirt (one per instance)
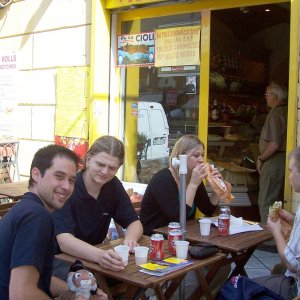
(292, 250)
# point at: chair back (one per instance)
(4, 175)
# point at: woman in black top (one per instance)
(160, 204)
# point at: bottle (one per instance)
(112, 231)
(224, 220)
(215, 113)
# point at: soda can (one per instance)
(173, 236)
(223, 225)
(173, 225)
(156, 246)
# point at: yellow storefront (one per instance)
(224, 74)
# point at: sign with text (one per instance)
(177, 46)
(136, 49)
(9, 83)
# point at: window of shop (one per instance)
(167, 98)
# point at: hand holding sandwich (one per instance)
(276, 213)
(287, 216)
(221, 187)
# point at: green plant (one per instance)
(141, 141)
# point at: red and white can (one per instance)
(224, 221)
(156, 246)
(173, 225)
(173, 236)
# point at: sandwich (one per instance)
(274, 215)
(221, 187)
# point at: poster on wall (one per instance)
(177, 46)
(79, 146)
(136, 49)
(71, 117)
(8, 96)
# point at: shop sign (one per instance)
(177, 46)
(111, 4)
(136, 49)
(9, 85)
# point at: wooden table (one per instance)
(238, 247)
(138, 282)
(14, 190)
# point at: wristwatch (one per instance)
(259, 158)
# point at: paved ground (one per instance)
(261, 263)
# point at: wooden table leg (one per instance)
(103, 285)
(240, 262)
(175, 283)
(159, 293)
(205, 280)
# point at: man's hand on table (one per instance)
(131, 244)
(109, 259)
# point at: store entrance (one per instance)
(249, 49)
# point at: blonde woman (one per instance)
(160, 204)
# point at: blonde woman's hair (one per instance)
(183, 145)
(109, 145)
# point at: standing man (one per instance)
(272, 145)
(288, 284)
(27, 233)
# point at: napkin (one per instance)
(237, 225)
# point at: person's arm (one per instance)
(198, 174)
(23, 284)
(275, 229)
(107, 259)
(133, 234)
(58, 286)
(266, 154)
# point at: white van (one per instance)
(152, 122)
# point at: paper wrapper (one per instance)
(221, 187)
(274, 210)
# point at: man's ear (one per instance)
(36, 174)
(87, 160)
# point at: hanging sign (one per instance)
(111, 4)
(177, 46)
(136, 49)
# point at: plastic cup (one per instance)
(123, 252)
(205, 226)
(182, 248)
(141, 255)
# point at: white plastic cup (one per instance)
(141, 255)
(182, 248)
(205, 226)
(123, 252)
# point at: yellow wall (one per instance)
(99, 72)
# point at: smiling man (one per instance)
(98, 197)
(26, 231)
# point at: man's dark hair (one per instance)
(43, 158)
